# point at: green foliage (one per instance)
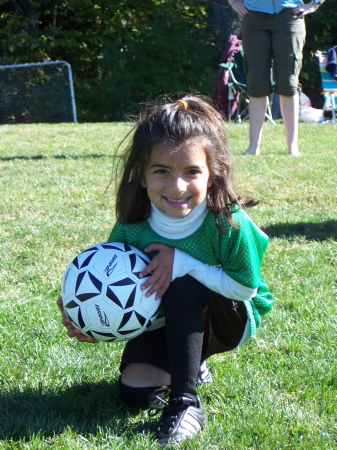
(122, 52)
(167, 54)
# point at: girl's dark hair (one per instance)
(192, 118)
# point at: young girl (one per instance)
(175, 201)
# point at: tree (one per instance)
(224, 21)
(124, 52)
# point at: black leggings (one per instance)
(188, 336)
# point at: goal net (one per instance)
(37, 93)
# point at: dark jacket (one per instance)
(331, 66)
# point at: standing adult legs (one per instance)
(288, 42)
(290, 110)
(256, 41)
(257, 110)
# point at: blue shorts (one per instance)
(272, 37)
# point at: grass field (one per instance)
(279, 391)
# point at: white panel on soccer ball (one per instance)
(101, 316)
(68, 282)
(110, 263)
(150, 305)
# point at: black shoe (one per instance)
(156, 400)
(181, 419)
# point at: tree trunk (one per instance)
(224, 21)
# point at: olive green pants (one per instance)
(272, 41)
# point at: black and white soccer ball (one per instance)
(101, 292)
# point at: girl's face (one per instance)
(177, 177)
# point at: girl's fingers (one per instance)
(160, 287)
(71, 330)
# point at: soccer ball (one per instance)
(101, 292)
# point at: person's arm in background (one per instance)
(307, 8)
(239, 7)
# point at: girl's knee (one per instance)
(186, 290)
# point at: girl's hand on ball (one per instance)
(159, 269)
(71, 330)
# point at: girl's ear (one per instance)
(137, 170)
(209, 182)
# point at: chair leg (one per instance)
(333, 105)
(229, 111)
(268, 114)
(330, 101)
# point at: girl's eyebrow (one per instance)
(154, 165)
(158, 165)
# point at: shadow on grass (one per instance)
(81, 408)
(311, 231)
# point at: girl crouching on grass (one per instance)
(176, 202)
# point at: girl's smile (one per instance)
(177, 177)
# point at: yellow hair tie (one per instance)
(183, 103)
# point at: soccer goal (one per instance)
(37, 93)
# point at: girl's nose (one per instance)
(178, 184)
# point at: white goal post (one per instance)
(37, 93)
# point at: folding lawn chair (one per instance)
(237, 84)
(237, 100)
(329, 86)
(222, 95)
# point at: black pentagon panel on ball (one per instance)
(71, 304)
(79, 263)
(134, 259)
(107, 337)
(154, 316)
(113, 297)
(80, 319)
(149, 323)
(128, 317)
(87, 286)
(131, 299)
(111, 246)
(76, 317)
(113, 293)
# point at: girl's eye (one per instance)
(193, 172)
(161, 171)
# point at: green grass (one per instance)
(277, 392)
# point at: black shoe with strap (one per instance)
(181, 418)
